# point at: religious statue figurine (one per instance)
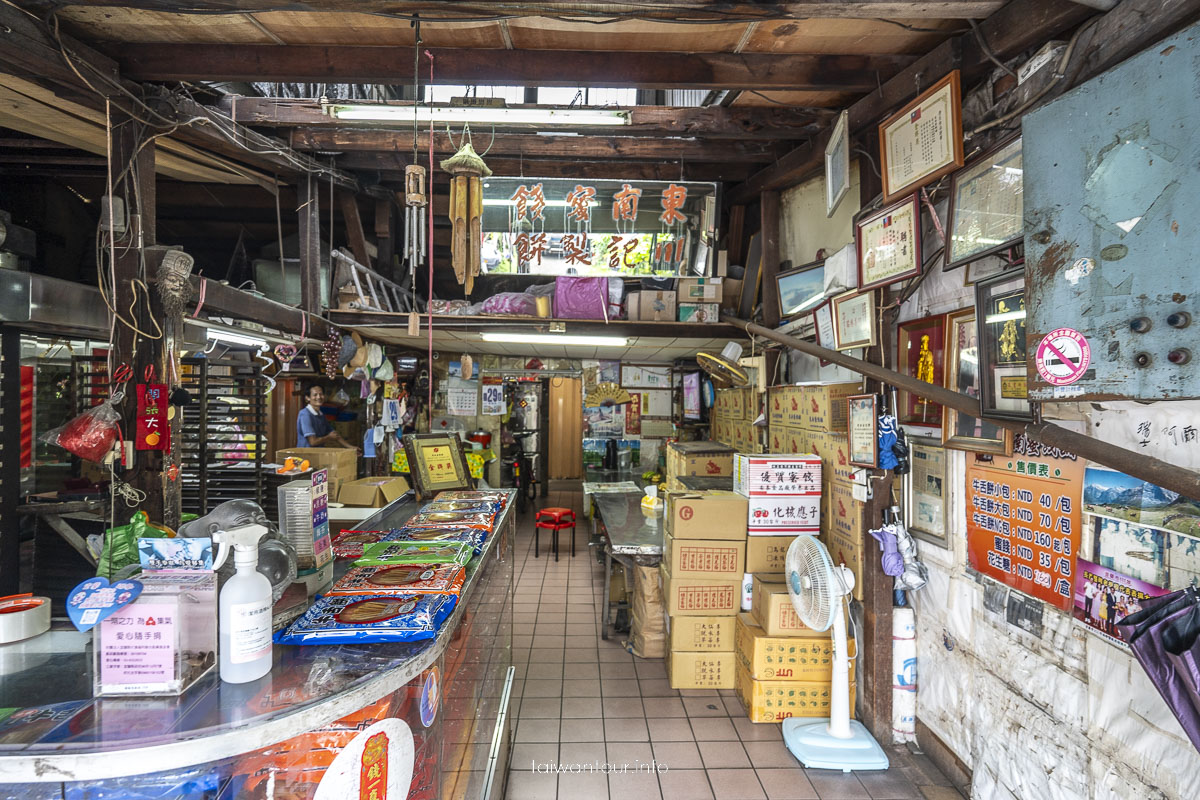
(1008, 337)
(925, 361)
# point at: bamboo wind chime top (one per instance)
(467, 171)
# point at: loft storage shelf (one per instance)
(655, 342)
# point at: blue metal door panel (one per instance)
(1112, 225)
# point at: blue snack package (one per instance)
(366, 619)
(414, 533)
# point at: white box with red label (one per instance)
(771, 515)
(775, 475)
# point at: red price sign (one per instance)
(153, 429)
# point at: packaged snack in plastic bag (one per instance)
(400, 579)
(90, 435)
(441, 535)
(390, 553)
(500, 498)
(460, 506)
(456, 519)
(350, 543)
(359, 619)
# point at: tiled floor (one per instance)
(582, 703)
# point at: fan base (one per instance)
(809, 740)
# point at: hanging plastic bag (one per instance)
(90, 435)
(121, 544)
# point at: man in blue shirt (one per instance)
(312, 429)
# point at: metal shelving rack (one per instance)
(224, 434)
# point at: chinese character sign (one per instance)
(322, 544)
(579, 203)
(529, 202)
(673, 198)
(1024, 518)
(625, 203)
(153, 429)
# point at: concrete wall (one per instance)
(803, 227)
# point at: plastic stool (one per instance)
(554, 520)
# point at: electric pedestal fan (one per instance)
(817, 588)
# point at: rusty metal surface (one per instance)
(1112, 191)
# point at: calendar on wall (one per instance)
(923, 141)
(889, 246)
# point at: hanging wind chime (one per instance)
(415, 204)
(467, 172)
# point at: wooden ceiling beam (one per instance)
(1018, 26)
(394, 65)
(362, 148)
(662, 10)
(393, 175)
(714, 122)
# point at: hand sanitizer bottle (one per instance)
(244, 609)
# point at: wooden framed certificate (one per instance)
(889, 244)
(854, 320)
(862, 430)
(924, 140)
(986, 206)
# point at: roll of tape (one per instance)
(23, 616)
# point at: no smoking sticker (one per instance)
(1063, 356)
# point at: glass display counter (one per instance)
(329, 721)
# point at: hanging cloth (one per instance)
(1165, 639)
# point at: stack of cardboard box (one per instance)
(734, 413)
(704, 556)
(684, 459)
(784, 668)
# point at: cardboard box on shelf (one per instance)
(696, 634)
(852, 553)
(699, 458)
(846, 516)
(731, 294)
(651, 306)
(765, 555)
(342, 462)
(689, 597)
(371, 492)
(790, 658)
(834, 450)
(706, 559)
(701, 670)
(777, 438)
(799, 441)
(773, 610)
(824, 405)
(751, 405)
(776, 515)
(775, 701)
(776, 475)
(699, 290)
(706, 515)
(699, 312)
(783, 406)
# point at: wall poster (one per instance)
(927, 506)
(1103, 597)
(1024, 520)
(633, 415)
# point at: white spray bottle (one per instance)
(244, 615)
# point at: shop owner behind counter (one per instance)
(312, 429)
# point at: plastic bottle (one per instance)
(244, 609)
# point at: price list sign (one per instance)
(1024, 518)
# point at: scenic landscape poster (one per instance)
(1115, 494)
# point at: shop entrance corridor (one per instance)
(584, 705)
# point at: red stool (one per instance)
(555, 520)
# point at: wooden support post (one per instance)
(310, 244)
(769, 210)
(354, 229)
(385, 231)
(734, 243)
(132, 168)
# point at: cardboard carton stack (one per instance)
(704, 556)
(711, 459)
(734, 413)
(784, 668)
(783, 498)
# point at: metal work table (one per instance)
(630, 534)
(232, 737)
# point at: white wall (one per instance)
(803, 226)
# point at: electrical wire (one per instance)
(987, 51)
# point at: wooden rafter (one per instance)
(392, 65)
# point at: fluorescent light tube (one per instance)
(992, 319)
(555, 338)
(499, 115)
(236, 338)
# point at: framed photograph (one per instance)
(986, 205)
(854, 320)
(436, 463)
(837, 164)
(800, 289)
(1003, 380)
(928, 490)
(921, 354)
(862, 428)
(924, 140)
(825, 330)
(889, 244)
(967, 431)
